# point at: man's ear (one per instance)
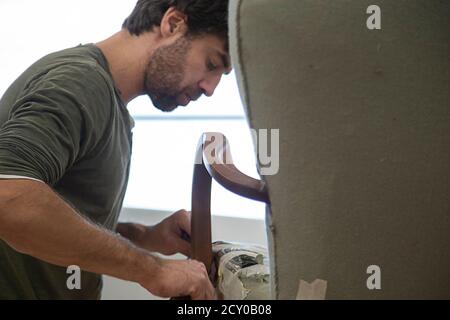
(173, 23)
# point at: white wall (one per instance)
(223, 228)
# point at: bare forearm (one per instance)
(136, 233)
(35, 221)
(40, 224)
(132, 231)
(168, 237)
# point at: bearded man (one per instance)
(65, 149)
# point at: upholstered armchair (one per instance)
(362, 197)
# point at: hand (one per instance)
(173, 233)
(180, 278)
(170, 236)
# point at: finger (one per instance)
(184, 221)
(205, 293)
(184, 247)
(185, 236)
(202, 289)
(211, 292)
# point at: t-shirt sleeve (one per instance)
(54, 122)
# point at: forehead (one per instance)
(208, 40)
(212, 45)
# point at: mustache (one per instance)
(194, 95)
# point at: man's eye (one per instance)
(211, 66)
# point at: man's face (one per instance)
(184, 70)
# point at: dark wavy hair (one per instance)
(203, 16)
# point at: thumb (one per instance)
(184, 221)
(184, 247)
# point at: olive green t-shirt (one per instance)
(62, 122)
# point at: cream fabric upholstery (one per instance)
(364, 119)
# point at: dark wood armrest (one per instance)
(213, 160)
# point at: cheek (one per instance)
(191, 78)
(195, 69)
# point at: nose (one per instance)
(209, 84)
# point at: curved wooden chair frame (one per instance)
(213, 160)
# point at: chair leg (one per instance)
(201, 239)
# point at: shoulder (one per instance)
(84, 79)
(81, 70)
(72, 86)
(73, 79)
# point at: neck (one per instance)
(128, 57)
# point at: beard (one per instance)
(164, 74)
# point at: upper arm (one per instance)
(51, 125)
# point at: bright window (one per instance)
(163, 144)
